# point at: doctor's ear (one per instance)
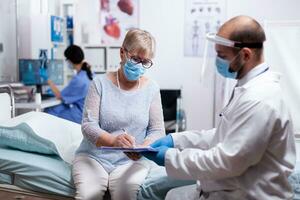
(247, 54)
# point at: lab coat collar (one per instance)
(256, 71)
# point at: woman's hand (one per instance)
(54, 89)
(124, 140)
(134, 155)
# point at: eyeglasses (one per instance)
(146, 63)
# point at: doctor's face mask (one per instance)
(223, 67)
(227, 65)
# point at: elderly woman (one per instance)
(122, 109)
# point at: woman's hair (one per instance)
(140, 41)
(86, 67)
(75, 55)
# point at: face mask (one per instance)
(133, 71)
(223, 67)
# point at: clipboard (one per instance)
(134, 149)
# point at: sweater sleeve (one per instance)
(90, 121)
(156, 127)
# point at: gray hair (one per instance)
(140, 41)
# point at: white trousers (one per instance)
(92, 181)
(188, 192)
(191, 192)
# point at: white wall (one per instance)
(8, 58)
(9, 28)
(165, 20)
(34, 26)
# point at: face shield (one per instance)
(210, 56)
(221, 87)
(229, 43)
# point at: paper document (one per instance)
(134, 149)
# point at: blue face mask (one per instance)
(133, 71)
(223, 68)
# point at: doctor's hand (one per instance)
(123, 140)
(165, 141)
(157, 157)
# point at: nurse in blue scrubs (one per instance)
(73, 95)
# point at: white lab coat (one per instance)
(250, 154)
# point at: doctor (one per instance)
(251, 153)
(73, 95)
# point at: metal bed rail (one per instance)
(6, 88)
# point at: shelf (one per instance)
(101, 47)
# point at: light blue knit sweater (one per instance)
(111, 109)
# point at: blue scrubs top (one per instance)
(72, 97)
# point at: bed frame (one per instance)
(5, 88)
(11, 192)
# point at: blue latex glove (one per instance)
(165, 141)
(157, 157)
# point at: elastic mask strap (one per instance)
(230, 70)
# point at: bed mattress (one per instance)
(36, 172)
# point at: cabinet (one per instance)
(103, 58)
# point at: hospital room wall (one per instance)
(33, 26)
(165, 20)
(10, 27)
(8, 40)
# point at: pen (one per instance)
(130, 136)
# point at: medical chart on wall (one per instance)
(117, 17)
(282, 54)
(201, 17)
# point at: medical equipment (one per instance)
(36, 72)
(30, 71)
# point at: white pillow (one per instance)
(66, 135)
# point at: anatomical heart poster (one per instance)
(117, 17)
(201, 17)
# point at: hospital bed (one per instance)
(37, 176)
(25, 175)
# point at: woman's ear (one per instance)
(122, 53)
